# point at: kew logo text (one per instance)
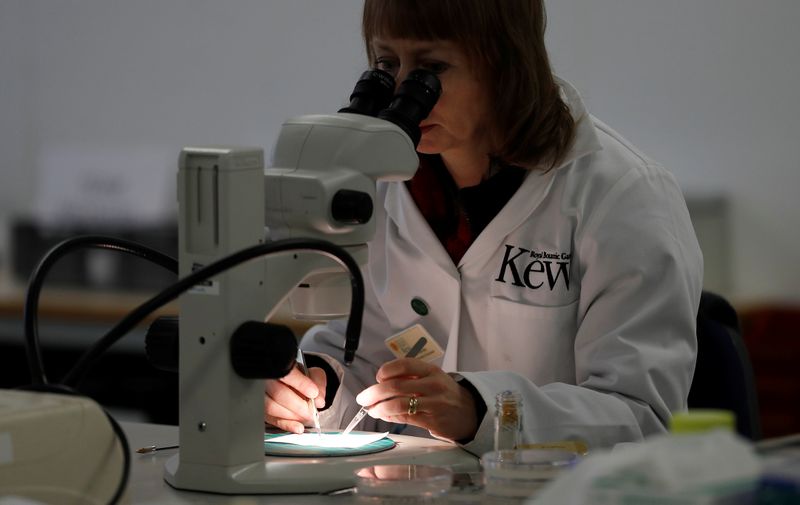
(534, 269)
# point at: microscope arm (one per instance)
(228, 202)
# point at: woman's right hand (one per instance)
(286, 400)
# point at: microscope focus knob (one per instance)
(351, 207)
(263, 350)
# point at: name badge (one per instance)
(414, 341)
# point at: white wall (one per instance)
(128, 83)
(704, 86)
(708, 88)
(16, 180)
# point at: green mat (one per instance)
(309, 451)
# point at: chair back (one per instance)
(723, 376)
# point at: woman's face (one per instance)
(458, 123)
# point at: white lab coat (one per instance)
(581, 294)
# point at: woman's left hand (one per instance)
(415, 392)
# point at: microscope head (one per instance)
(322, 178)
(321, 183)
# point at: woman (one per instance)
(539, 249)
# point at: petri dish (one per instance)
(521, 473)
(402, 484)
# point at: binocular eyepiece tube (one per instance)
(374, 96)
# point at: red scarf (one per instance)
(457, 216)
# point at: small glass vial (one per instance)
(507, 421)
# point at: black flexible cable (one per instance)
(79, 370)
(352, 332)
(126, 462)
(31, 307)
(118, 431)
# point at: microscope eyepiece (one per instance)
(413, 102)
(372, 93)
(374, 96)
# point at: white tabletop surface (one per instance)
(147, 485)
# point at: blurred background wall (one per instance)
(707, 87)
(97, 97)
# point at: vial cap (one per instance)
(507, 399)
(700, 420)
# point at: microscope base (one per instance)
(297, 475)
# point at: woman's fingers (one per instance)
(405, 367)
(286, 400)
(282, 418)
(321, 381)
(304, 385)
(401, 406)
(403, 387)
(414, 392)
(404, 376)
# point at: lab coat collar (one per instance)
(536, 185)
(401, 209)
(585, 141)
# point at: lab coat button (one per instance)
(419, 306)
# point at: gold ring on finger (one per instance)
(413, 403)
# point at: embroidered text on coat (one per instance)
(541, 266)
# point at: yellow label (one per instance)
(575, 446)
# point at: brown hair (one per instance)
(532, 125)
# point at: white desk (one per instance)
(147, 485)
